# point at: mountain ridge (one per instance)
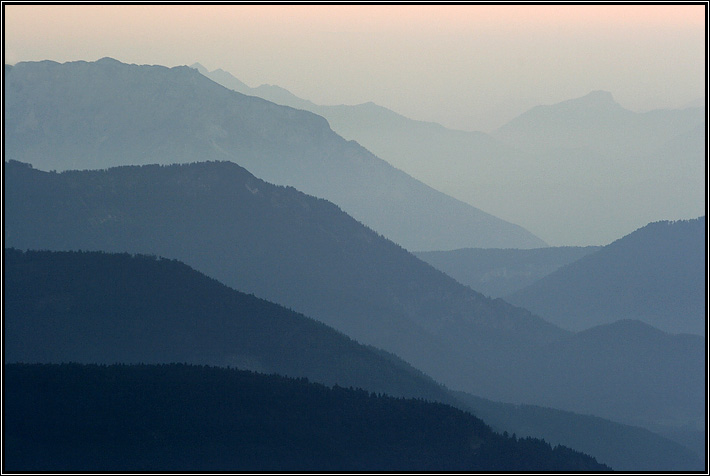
(275, 242)
(306, 254)
(83, 115)
(655, 274)
(117, 307)
(583, 173)
(184, 417)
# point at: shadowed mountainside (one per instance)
(655, 274)
(95, 307)
(279, 244)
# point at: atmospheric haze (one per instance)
(471, 67)
(466, 67)
(414, 201)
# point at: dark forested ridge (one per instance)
(93, 115)
(655, 274)
(499, 272)
(180, 417)
(95, 307)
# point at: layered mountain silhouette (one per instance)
(655, 274)
(598, 123)
(96, 115)
(603, 165)
(95, 307)
(189, 418)
(605, 169)
(623, 447)
(277, 243)
(306, 254)
(499, 272)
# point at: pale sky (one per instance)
(469, 67)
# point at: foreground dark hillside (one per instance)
(94, 115)
(188, 418)
(655, 274)
(94, 307)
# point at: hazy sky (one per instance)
(465, 66)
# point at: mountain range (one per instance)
(103, 308)
(277, 243)
(655, 274)
(237, 261)
(96, 307)
(306, 254)
(604, 169)
(82, 115)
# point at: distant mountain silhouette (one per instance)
(598, 123)
(102, 114)
(188, 418)
(655, 274)
(498, 272)
(306, 254)
(605, 169)
(95, 307)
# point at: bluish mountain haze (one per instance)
(610, 168)
(623, 447)
(83, 115)
(598, 123)
(95, 307)
(655, 274)
(277, 243)
(608, 361)
(498, 272)
(584, 171)
(308, 255)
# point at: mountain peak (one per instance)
(108, 60)
(600, 95)
(598, 98)
(201, 69)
